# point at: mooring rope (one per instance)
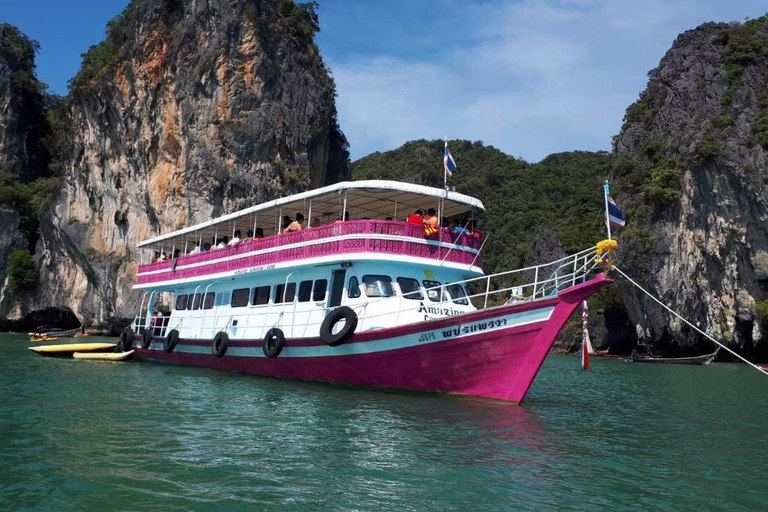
(687, 322)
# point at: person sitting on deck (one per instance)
(223, 243)
(456, 229)
(206, 248)
(416, 218)
(286, 222)
(156, 257)
(164, 256)
(346, 217)
(259, 233)
(235, 239)
(295, 225)
(249, 235)
(196, 250)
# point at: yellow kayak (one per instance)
(68, 349)
(104, 356)
(42, 339)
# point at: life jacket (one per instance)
(430, 225)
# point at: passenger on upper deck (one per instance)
(235, 240)
(258, 234)
(346, 217)
(416, 218)
(196, 250)
(295, 225)
(286, 222)
(156, 257)
(222, 243)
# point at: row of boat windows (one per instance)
(373, 286)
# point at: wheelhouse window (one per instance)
(210, 298)
(321, 286)
(240, 297)
(290, 293)
(260, 296)
(378, 286)
(193, 301)
(457, 293)
(433, 289)
(305, 291)
(181, 302)
(410, 288)
(353, 288)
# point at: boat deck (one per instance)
(362, 236)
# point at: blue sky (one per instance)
(529, 77)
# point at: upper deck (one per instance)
(322, 239)
(372, 237)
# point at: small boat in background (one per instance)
(37, 339)
(82, 335)
(647, 358)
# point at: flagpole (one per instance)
(607, 218)
(445, 167)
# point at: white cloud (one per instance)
(535, 78)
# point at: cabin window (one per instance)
(290, 292)
(457, 293)
(305, 291)
(321, 286)
(410, 288)
(378, 286)
(240, 297)
(210, 298)
(353, 289)
(260, 295)
(193, 301)
(181, 302)
(222, 299)
(434, 292)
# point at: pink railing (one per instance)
(221, 258)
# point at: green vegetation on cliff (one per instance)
(563, 192)
(21, 270)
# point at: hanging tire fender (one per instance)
(146, 339)
(220, 344)
(170, 341)
(126, 340)
(350, 324)
(274, 342)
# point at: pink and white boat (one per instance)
(367, 302)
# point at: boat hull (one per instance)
(493, 354)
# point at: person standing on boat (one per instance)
(416, 218)
(295, 225)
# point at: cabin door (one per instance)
(337, 287)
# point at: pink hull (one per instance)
(494, 353)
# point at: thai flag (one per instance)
(615, 217)
(448, 161)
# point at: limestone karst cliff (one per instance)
(187, 110)
(692, 178)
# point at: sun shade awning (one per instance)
(370, 199)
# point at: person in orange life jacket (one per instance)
(430, 222)
(416, 218)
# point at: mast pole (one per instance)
(606, 191)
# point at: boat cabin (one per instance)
(243, 273)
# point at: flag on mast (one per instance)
(615, 217)
(448, 161)
(586, 346)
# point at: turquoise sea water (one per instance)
(84, 435)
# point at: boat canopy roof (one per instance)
(368, 199)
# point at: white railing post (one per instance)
(535, 282)
(487, 291)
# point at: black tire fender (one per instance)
(220, 344)
(170, 341)
(274, 342)
(146, 339)
(126, 340)
(350, 324)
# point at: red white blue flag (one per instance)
(615, 217)
(448, 161)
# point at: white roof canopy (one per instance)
(370, 199)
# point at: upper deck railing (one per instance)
(375, 236)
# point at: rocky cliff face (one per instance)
(693, 181)
(186, 111)
(21, 107)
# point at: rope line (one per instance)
(687, 322)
